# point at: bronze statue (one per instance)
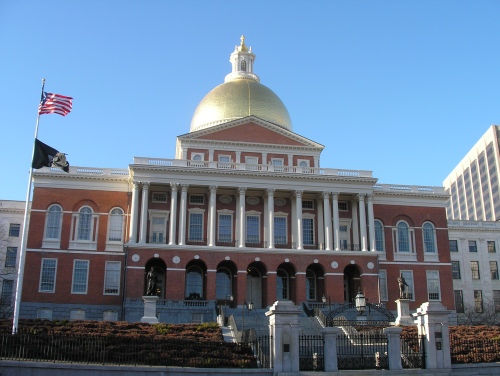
(403, 293)
(152, 282)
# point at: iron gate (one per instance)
(362, 351)
(413, 351)
(311, 353)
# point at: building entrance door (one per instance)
(254, 290)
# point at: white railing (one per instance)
(408, 188)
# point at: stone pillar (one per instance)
(144, 213)
(432, 321)
(270, 215)
(362, 221)
(404, 318)
(150, 309)
(173, 213)
(134, 213)
(336, 222)
(328, 221)
(321, 224)
(211, 216)
(371, 223)
(182, 214)
(284, 327)
(394, 347)
(242, 212)
(298, 217)
(330, 350)
(355, 226)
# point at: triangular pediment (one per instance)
(251, 130)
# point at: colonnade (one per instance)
(327, 210)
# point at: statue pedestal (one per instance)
(404, 318)
(150, 309)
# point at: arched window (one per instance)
(223, 284)
(379, 236)
(429, 237)
(194, 282)
(310, 285)
(282, 285)
(403, 237)
(53, 222)
(115, 225)
(84, 223)
(243, 66)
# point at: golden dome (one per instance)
(240, 95)
(239, 98)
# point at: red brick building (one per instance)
(244, 212)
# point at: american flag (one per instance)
(55, 103)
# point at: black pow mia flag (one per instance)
(46, 156)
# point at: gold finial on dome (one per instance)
(243, 47)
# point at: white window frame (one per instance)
(54, 276)
(304, 166)
(404, 256)
(384, 293)
(433, 285)
(252, 163)
(224, 161)
(408, 276)
(192, 202)
(308, 216)
(52, 242)
(74, 282)
(231, 234)
(285, 216)
(160, 197)
(196, 211)
(255, 215)
(112, 276)
(382, 240)
(197, 160)
(308, 206)
(156, 228)
(278, 164)
(115, 245)
(84, 244)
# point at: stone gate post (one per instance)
(432, 321)
(330, 352)
(284, 329)
(394, 347)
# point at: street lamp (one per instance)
(323, 299)
(360, 301)
(230, 298)
(249, 306)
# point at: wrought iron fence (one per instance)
(116, 350)
(262, 350)
(362, 351)
(311, 353)
(413, 351)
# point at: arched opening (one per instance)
(315, 283)
(224, 287)
(285, 282)
(159, 267)
(254, 293)
(352, 282)
(195, 281)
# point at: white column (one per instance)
(298, 216)
(328, 221)
(270, 216)
(290, 160)
(336, 224)
(264, 158)
(321, 224)
(371, 223)
(362, 221)
(134, 213)
(144, 213)
(355, 225)
(211, 216)
(173, 212)
(266, 220)
(182, 214)
(242, 213)
(210, 155)
(293, 222)
(238, 157)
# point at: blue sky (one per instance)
(401, 88)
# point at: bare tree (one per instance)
(490, 314)
(6, 274)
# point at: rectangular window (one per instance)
(7, 292)
(112, 278)
(455, 270)
(196, 199)
(159, 197)
(478, 301)
(225, 228)
(14, 230)
(408, 276)
(279, 230)
(459, 301)
(277, 164)
(48, 275)
(308, 231)
(308, 204)
(252, 163)
(494, 269)
(158, 229)
(224, 161)
(196, 227)
(491, 246)
(496, 300)
(383, 285)
(80, 277)
(472, 246)
(253, 229)
(453, 246)
(11, 257)
(474, 266)
(343, 206)
(433, 289)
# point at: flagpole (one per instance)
(24, 238)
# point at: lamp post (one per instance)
(230, 298)
(249, 306)
(360, 302)
(323, 299)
